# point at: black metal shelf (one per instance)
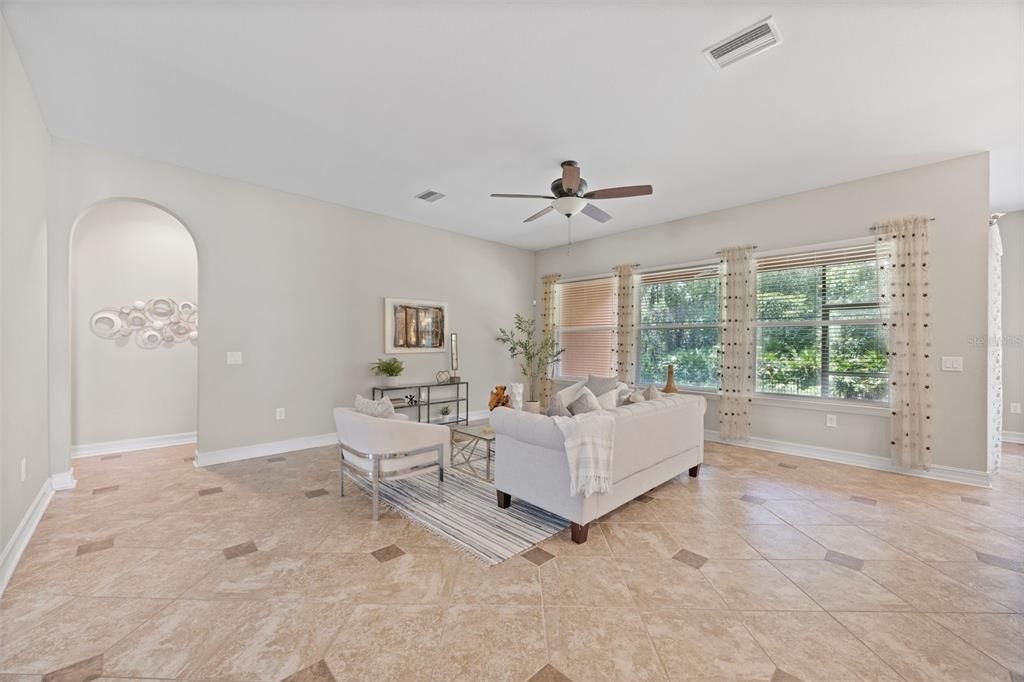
(461, 400)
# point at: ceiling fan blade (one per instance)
(570, 178)
(523, 196)
(620, 192)
(596, 213)
(539, 213)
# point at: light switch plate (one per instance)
(830, 420)
(952, 364)
(279, 413)
(234, 357)
(1014, 408)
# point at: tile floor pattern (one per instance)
(766, 567)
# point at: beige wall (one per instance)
(954, 192)
(1011, 228)
(24, 153)
(126, 251)
(297, 285)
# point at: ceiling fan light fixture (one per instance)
(569, 206)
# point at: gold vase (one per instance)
(670, 385)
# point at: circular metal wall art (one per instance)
(153, 322)
(106, 323)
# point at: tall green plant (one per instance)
(536, 351)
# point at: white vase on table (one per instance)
(516, 391)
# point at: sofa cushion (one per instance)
(375, 408)
(601, 385)
(586, 401)
(559, 403)
(609, 400)
(652, 392)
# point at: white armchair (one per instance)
(377, 449)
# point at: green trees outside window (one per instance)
(819, 330)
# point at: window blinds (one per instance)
(586, 327)
(838, 284)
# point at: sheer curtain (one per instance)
(903, 286)
(739, 312)
(995, 345)
(625, 342)
(548, 318)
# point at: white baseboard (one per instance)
(132, 444)
(859, 459)
(279, 447)
(64, 480)
(15, 547)
(276, 447)
(1013, 436)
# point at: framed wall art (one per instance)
(413, 326)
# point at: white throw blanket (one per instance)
(589, 445)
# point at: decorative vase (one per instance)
(389, 381)
(670, 385)
(532, 406)
(516, 391)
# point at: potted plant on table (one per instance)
(388, 370)
(536, 351)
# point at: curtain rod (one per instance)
(875, 227)
(719, 252)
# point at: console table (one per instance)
(427, 397)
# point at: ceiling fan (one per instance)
(570, 196)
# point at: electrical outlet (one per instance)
(279, 413)
(830, 420)
(24, 469)
(952, 364)
(1014, 408)
(234, 357)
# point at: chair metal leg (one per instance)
(440, 475)
(376, 489)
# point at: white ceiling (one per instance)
(367, 105)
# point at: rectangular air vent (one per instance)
(751, 40)
(430, 195)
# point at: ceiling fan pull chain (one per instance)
(568, 246)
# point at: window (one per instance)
(586, 327)
(679, 324)
(819, 330)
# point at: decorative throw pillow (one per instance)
(375, 408)
(558, 405)
(601, 385)
(557, 408)
(622, 393)
(652, 392)
(637, 397)
(609, 400)
(586, 401)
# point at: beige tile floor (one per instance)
(765, 568)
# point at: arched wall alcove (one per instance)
(134, 328)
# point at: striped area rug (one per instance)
(469, 517)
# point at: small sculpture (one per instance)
(499, 398)
(442, 377)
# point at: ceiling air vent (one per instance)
(751, 40)
(430, 195)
